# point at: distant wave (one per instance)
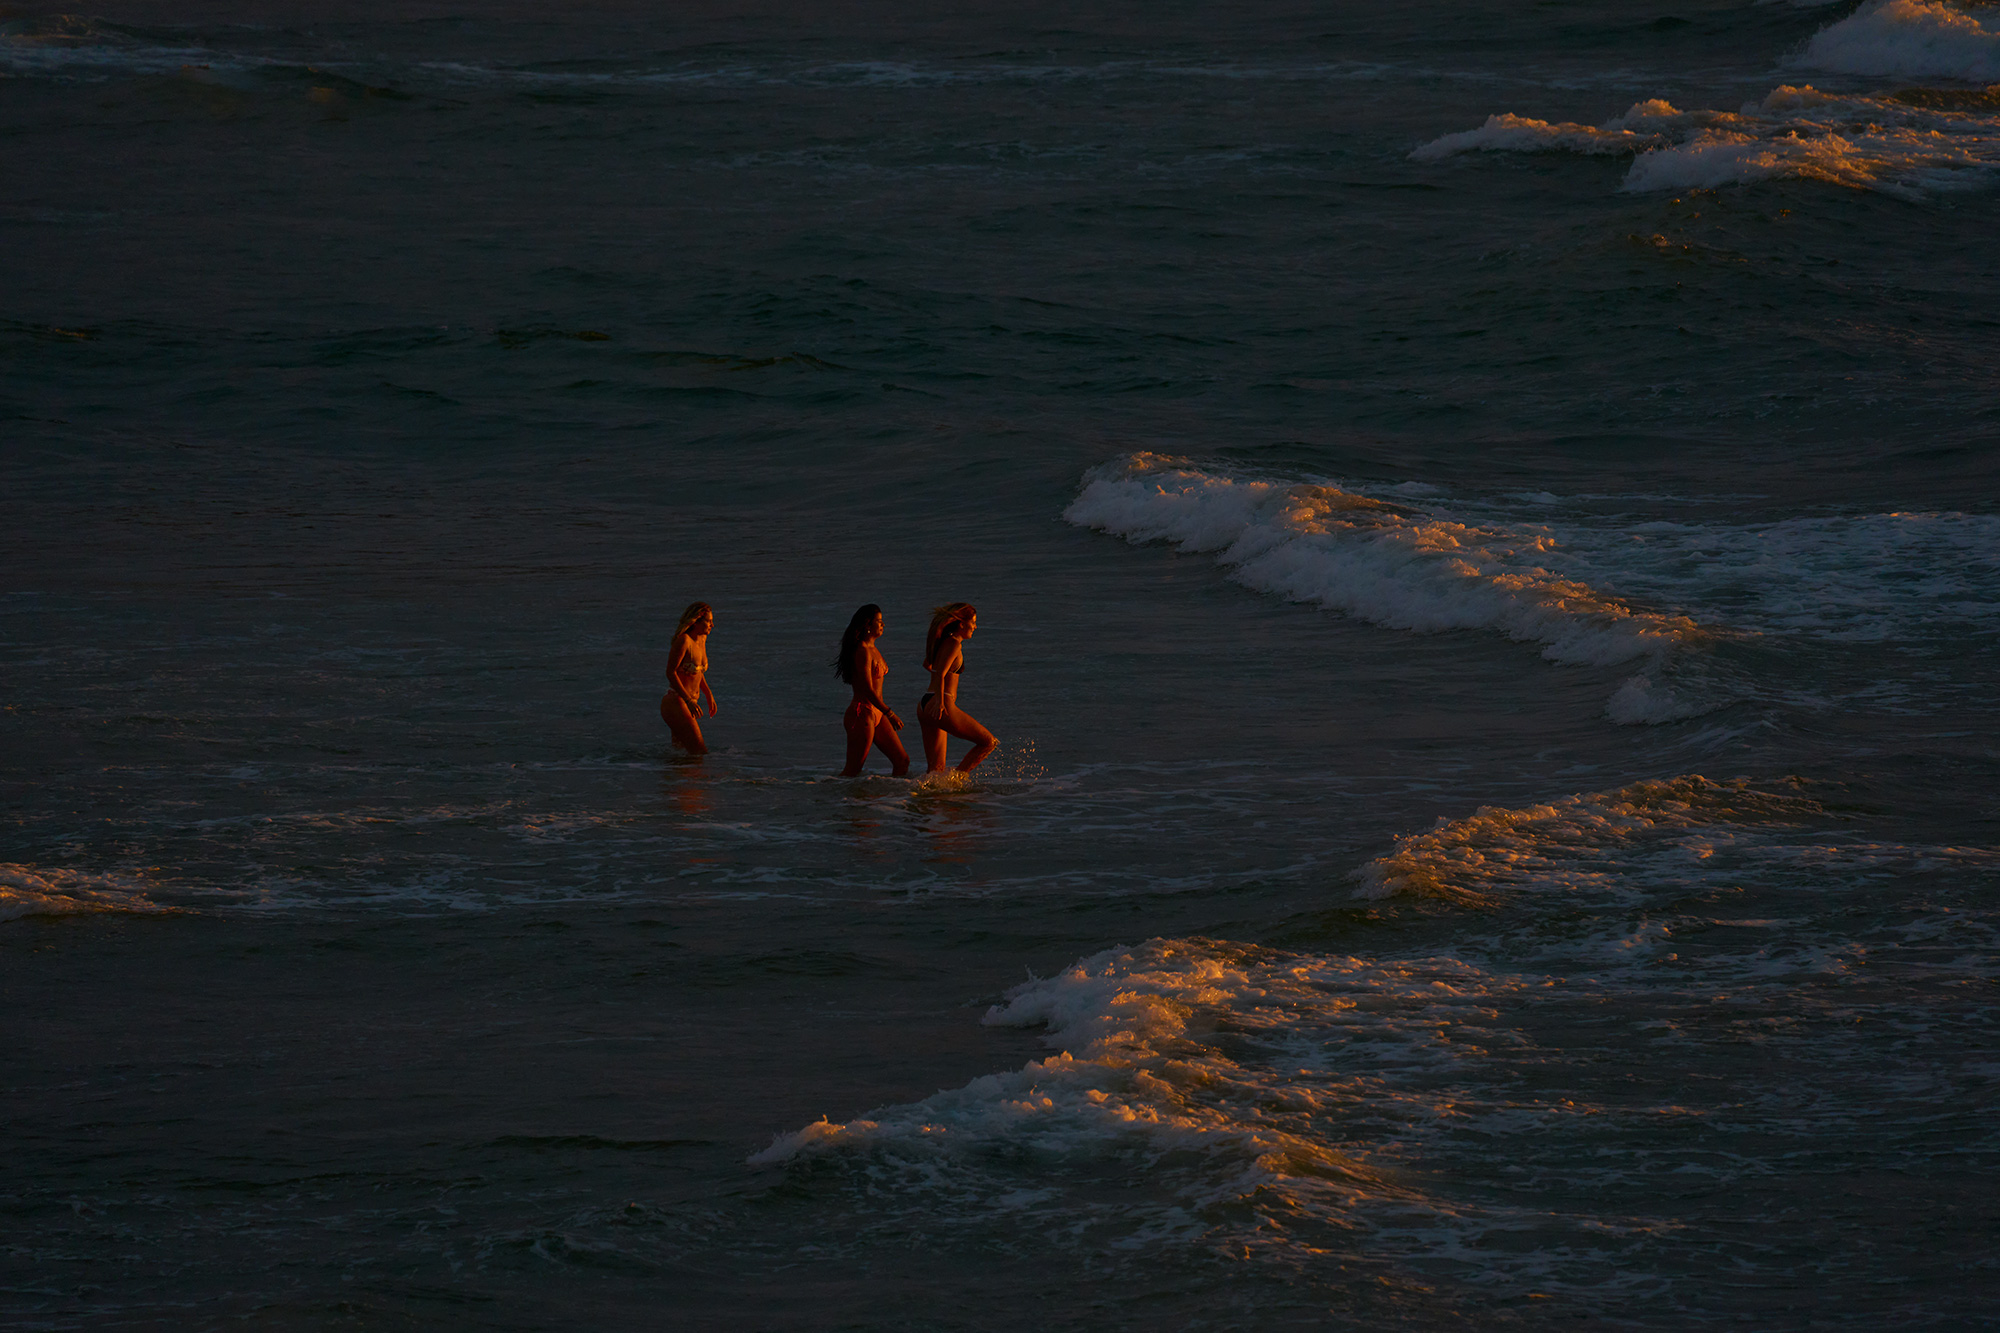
(61, 44)
(44, 891)
(1682, 837)
(1904, 144)
(71, 45)
(1386, 563)
(1589, 591)
(1909, 142)
(1641, 128)
(1910, 39)
(1567, 843)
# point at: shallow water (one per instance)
(1490, 624)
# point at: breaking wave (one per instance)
(1579, 841)
(1590, 590)
(1911, 39)
(1179, 1063)
(1387, 563)
(42, 891)
(1906, 144)
(70, 44)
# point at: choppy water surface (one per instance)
(1485, 534)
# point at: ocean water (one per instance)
(1486, 528)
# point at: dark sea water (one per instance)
(1486, 528)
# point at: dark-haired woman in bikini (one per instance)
(687, 678)
(944, 657)
(868, 720)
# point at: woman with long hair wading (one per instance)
(944, 657)
(687, 678)
(868, 720)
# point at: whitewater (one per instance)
(1905, 142)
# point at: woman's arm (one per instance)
(708, 694)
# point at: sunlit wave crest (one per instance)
(1911, 39)
(1143, 1077)
(1575, 841)
(1591, 589)
(1686, 834)
(1386, 563)
(1904, 144)
(27, 891)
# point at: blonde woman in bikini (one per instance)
(869, 721)
(687, 678)
(944, 657)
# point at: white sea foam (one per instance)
(1142, 1071)
(49, 891)
(1647, 125)
(1903, 144)
(1390, 564)
(1910, 39)
(1590, 590)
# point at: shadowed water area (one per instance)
(1484, 529)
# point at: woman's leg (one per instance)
(927, 718)
(966, 727)
(890, 744)
(860, 723)
(681, 721)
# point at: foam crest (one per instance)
(1911, 39)
(43, 891)
(1643, 127)
(1165, 1049)
(1581, 841)
(1905, 144)
(1389, 564)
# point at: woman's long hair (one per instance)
(689, 616)
(942, 618)
(843, 665)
